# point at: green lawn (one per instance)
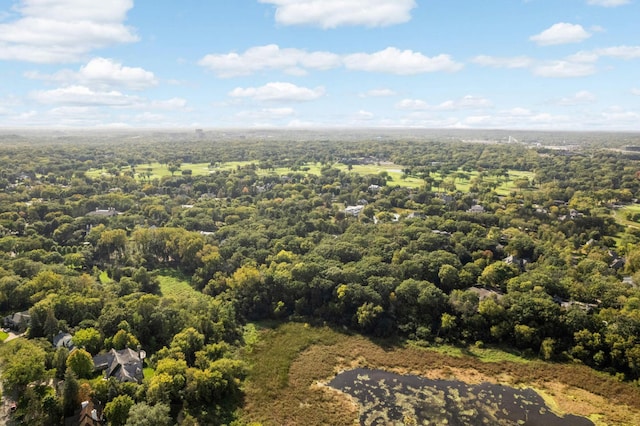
(152, 171)
(176, 285)
(3, 336)
(621, 215)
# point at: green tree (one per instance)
(188, 341)
(89, 339)
(60, 361)
(81, 363)
(70, 393)
(22, 363)
(149, 415)
(117, 411)
(123, 339)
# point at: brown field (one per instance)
(291, 364)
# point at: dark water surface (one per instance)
(388, 398)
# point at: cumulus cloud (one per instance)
(412, 105)
(620, 52)
(564, 69)
(581, 97)
(50, 31)
(561, 33)
(298, 62)
(377, 93)
(503, 62)
(520, 118)
(102, 73)
(278, 92)
(335, 13)
(608, 3)
(269, 57)
(466, 102)
(267, 113)
(82, 96)
(402, 62)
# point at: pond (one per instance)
(392, 399)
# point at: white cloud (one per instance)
(561, 33)
(608, 3)
(564, 69)
(49, 31)
(278, 91)
(81, 95)
(377, 93)
(620, 52)
(581, 97)
(412, 105)
(498, 62)
(364, 115)
(298, 62)
(519, 118)
(102, 73)
(336, 13)
(267, 113)
(620, 117)
(402, 62)
(635, 91)
(291, 61)
(168, 104)
(467, 102)
(584, 57)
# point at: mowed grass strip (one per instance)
(291, 362)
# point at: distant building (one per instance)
(19, 321)
(354, 210)
(125, 365)
(91, 414)
(104, 213)
(63, 340)
(476, 209)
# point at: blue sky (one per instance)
(506, 64)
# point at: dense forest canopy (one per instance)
(530, 245)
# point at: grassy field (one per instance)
(291, 363)
(3, 336)
(175, 284)
(152, 171)
(621, 215)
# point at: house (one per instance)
(516, 261)
(91, 414)
(125, 365)
(19, 321)
(354, 210)
(476, 209)
(104, 212)
(63, 340)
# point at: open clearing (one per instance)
(396, 176)
(292, 363)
